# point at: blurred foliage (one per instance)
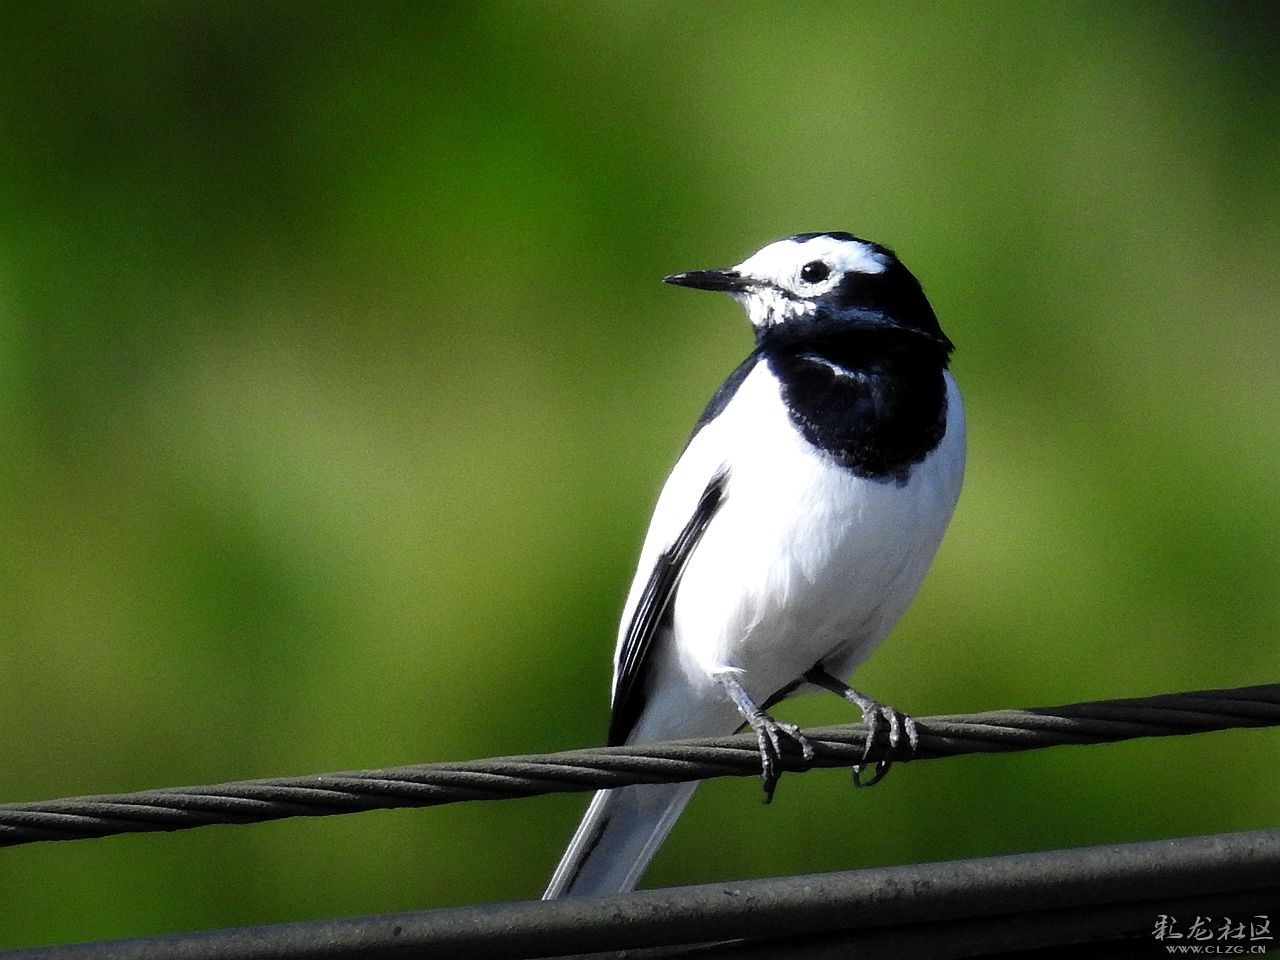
(337, 383)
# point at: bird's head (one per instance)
(815, 284)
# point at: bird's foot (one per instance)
(875, 714)
(769, 734)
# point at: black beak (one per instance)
(730, 281)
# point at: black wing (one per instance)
(653, 612)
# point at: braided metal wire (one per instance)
(254, 801)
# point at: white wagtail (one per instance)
(792, 533)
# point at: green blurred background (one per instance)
(337, 383)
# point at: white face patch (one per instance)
(780, 265)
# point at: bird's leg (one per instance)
(769, 731)
(872, 712)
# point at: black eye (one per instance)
(814, 272)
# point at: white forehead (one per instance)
(780, 262)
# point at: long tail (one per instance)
(617, 838)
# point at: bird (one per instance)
(791, 534)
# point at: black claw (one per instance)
(882, 767)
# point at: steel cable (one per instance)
(254, 801)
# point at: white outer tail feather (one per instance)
(617, 838)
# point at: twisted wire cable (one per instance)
(255, 801)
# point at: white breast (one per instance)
(804, 563)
